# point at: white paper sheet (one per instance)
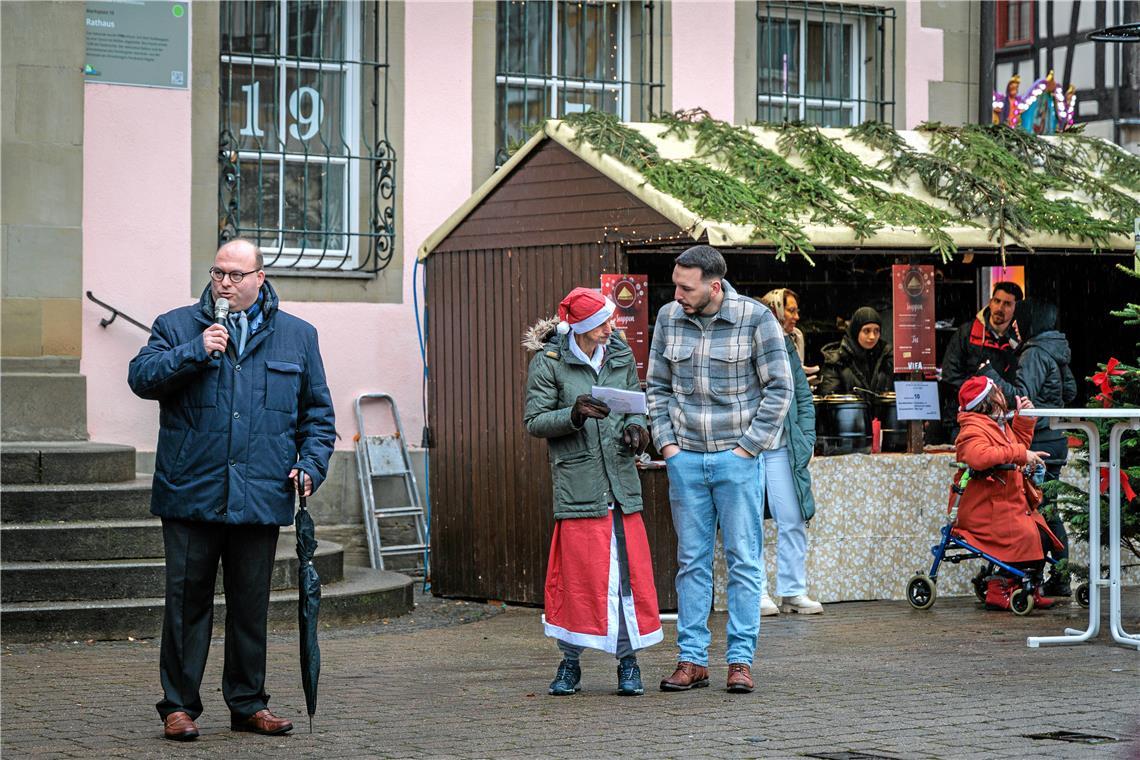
(916, 400)
(620, 402)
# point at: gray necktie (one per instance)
(239, 331)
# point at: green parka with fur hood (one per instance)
(589, 465)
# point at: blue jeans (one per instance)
(704, 490)
(791, 544)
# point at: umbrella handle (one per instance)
(301, 475)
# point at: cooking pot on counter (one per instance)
(841, 424)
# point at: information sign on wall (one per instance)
(913, 317)
(146, 44)
(629, 292)
(916, 400)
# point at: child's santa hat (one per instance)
(583, 310)
(974, 392)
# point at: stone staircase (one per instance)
(81, 556)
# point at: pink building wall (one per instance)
(923, 53)
(136, 230)
(703, 47)
(136, 242)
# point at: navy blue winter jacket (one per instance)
(232, 428)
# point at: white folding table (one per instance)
(1083, 420)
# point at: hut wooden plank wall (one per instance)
(535, 235)
(550, 221)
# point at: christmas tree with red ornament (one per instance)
(1118, 386)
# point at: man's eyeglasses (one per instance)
(235, 277)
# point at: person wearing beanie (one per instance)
(994, 514)
(1043, 376)
(599, 582)
(860, 360)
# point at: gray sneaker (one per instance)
(568, 680)
(629, 677)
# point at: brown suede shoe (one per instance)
(179, 727)
(740, 678)
(687, 676)
(261, 722)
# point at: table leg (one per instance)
(1115, 626)
(1072, 635)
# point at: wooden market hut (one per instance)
(574, 203)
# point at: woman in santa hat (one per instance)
(599, 580)
(994, 514)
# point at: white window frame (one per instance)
(800, 102)
(295, 257)
(554, 81)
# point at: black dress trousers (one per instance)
(193, 550)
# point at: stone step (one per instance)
(51, 462)
(364, 595)
(129, 499)
(133, 578)
(82, 540)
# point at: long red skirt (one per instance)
(583, 587)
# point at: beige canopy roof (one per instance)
(722, 233)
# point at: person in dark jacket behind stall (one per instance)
(235, 432)
(991, 336)
(860, 360)
(1043, 376)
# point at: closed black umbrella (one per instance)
(308, 602)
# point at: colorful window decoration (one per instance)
(1045, 109)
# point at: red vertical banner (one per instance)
(629, 292)
(913, 317)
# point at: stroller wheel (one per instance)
(1083, 595)
(1021, 602)
(920, 592)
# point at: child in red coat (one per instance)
(994, 514)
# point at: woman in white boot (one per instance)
(788, 489)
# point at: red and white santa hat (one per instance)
(583, 310)
(974, 392)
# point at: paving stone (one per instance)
(465, 680)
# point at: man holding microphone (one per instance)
(244, 414)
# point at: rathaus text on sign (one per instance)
(145, 44)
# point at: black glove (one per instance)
(587, 406)
(636, 437)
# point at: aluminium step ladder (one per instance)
(385, 457)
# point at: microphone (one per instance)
(221, 312)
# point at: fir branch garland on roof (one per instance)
(1012, 184)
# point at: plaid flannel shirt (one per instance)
(711, 389)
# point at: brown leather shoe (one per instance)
(687, 676)
(740, 678)
(261, 722)
(179, 727)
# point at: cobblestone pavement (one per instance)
(871, 677)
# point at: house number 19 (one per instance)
(310, 121)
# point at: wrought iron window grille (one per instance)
(306, 169)
(830, 64)
(568, 56)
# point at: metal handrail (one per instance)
(114, 314)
